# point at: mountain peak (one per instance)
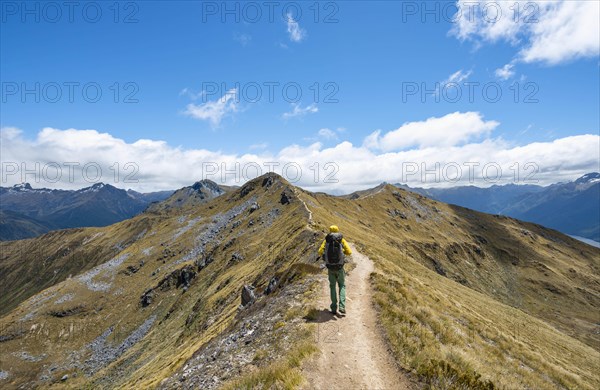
(22, 186)
(592, 177)
(383, 186)
(270, 178)
(97, 187)
(207, 184)
(263, 181)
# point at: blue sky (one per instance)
(364, 58)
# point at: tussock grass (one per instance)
(261, 354)
(293, 312)
(311, 314)
(282, 374)
(276, 244)
(467, 300)
(480, 344)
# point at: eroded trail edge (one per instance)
(352, 354)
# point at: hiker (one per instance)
(333, 248)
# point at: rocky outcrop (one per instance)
(272, 285)
(248, 296)
(248, 343)
(202, 262)
(147, 297)
(268, 181)
(180, 277)
(286, 197)
(67, 312)
(237, 257)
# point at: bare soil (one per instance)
(353, 354)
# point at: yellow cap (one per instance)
(333, 229)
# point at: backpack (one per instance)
(334, 253)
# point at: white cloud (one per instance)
(458, 77)
(567, 31)
(190, 94)
(487, 20)
(327, 133)
(159, 166)
(10, 133)
(297, 110)
(296, 33)
(506, 72)
(372, 141)
(550, 32)
(214, 111)
(449, 130)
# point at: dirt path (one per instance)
(353, 354)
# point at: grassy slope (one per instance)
(518, 304)
(184, 321)
(29, 266)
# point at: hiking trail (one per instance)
(353, 354)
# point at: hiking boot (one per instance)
(343, 311)
(334, 312)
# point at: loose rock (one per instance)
(248, 296)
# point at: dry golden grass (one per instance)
(184, 321)
(517, 306)
(465, 299)
(283, 374)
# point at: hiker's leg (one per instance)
(332, 286)
(342, 282)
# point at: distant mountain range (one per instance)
(26, 212)
(190, 196)
(572, 208)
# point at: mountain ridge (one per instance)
(571, 207)
(96, 205)
(164, 289)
